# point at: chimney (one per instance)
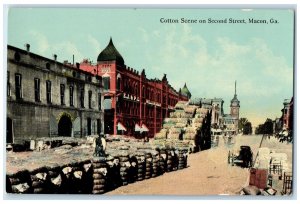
(27, 47)
(55, 57)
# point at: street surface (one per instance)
(208, 172)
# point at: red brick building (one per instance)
(133, 104)
(287, 113)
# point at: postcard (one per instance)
(156, 102)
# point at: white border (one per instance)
(135, 4)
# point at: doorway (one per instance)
(65, 126)
(89, 126)
(9, 131)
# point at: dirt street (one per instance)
(208, 173)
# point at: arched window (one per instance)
(136, 90)
(119, 82)
(106, 82)
(90, 99)
(143, 91)
(47, 65)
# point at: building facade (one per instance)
(46, 98)
(134, 105)
(235, 110)
(219, 120)
(216, 107)
(287, 113)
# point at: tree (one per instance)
(266, 128)
(259, 129)
(247, 129)
(242, 123)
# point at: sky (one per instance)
(208, 57)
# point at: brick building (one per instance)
(216, 107)
(133, 103)
(46, 98)
(287, 113)
(227, 122)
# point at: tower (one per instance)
(235, 109)
(185, 91)
(109, 64)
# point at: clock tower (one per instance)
(235, 109)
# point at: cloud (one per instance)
(156, 33)
(145, 35)
(64, 49)
(249, 63)
(67, 49)
(95, 45)
(41, 41)
(210, 69)
(275, 66)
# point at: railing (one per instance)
(287, 183)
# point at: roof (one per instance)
(235, 100)
(185, 91)
(110, 53)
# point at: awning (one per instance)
(144, 128)
(137, 128)
(121, 127)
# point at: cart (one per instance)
(242, 157)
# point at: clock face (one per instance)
(234, 111)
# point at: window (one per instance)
(82, 97)
(98, 126)
(18, 83)
(37, 89)
(17, 57)
(8, 84)
(71, 95)
(48, 91)
(62, 94)
(119, 81)
(136, 90)
(47, 65)
(106, 83)
(99, 101)
(90, 99)
(89, 126)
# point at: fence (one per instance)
(287, 183)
